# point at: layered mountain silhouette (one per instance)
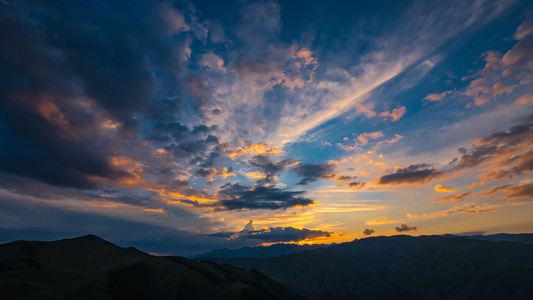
(405, 267)
(92, 268)
(280, 249)
(398, 267)
(274, 250)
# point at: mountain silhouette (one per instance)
(397, 267)
(274, 250)
(404, 267)
(92, 268)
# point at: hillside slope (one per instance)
(91, 268)
(405, 267)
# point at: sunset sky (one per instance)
(168, 126)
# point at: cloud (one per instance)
(344, 178)
(287, 234)
(269, 168)
(369, 113)
(395, 114)
(441, 188)
(466, 208)
(413, 174)
(249, 227)
(404, 228)
(508, 153)
(311, 172)
(75, 95)
(525, 29)
(516, 66)
(395, 139)
(517, 191)
(344, 85)
(238, 197)
(273, 234)
(364, 137)
(527, 98)
(456, 198)
(368, 231)
(213, 62)
(356, 184)
(382, 221)
(255, 149)
(211, 173)
(437, 97)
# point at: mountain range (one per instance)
(280, 249)
(89, 267)
(397, 267)
(405, 267)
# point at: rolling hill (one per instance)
(397, 267)
(92, 268)
(404, 267)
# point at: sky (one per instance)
(178, 127)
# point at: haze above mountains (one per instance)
(397, 267)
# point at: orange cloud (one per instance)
(395, 115)
(237, 152)
(456, 198)
(210, 173)
(367, 112)
(255, 149)
(155, 210)
(441, 188)
(255, 175)
(382, 221)
(364, 137)
(396, 138)
(437, 97)
(527, 98)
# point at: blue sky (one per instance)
(169, 125)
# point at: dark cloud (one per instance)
(404, 227)
(212, 172)
(510, 149)
(169, 132)
(239, 197)
(286, 234)
(344, 178)
(414, 174)
(236, 197)
(368, 231)
(356, 184)
(269, 168)
(69, 72)
(192, 149)
(275, 234)
(514, 136)
(478, 155)
(311, 173)
(518, 191)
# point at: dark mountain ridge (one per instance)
(280, 249)
(396, 267)
(274, 250)
(92, 268)
(404, 267)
